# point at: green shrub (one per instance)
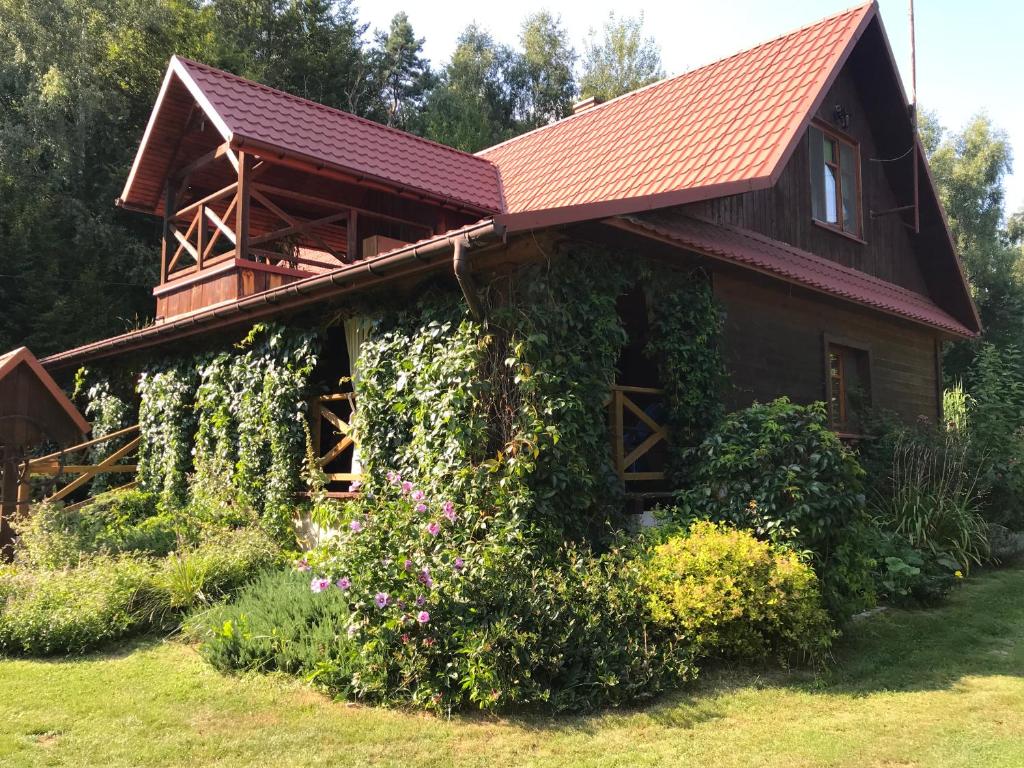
(995, 417)
(214, 568)
(277, 623)
(727, 594)
(934, 500)
(907, 576)
(119, 521)
(779, 470)
(54, 612)
(107, 597)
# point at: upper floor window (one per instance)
(835, 181)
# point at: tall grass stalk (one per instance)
(935, 499)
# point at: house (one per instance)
(790, 173)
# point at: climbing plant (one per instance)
(109, 406)
(228, 428)
(166, 429)
(685, 322)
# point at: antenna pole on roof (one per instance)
(913, 120)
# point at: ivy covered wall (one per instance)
(510, 411)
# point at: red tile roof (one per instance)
(781, 260)
(715, 129)
(245, 111)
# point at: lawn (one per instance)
(925, 688)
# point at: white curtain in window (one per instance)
(357, 331)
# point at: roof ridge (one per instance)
(687, 73)
(323, 107)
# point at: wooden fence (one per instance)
(57, 465)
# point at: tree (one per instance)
(618, 59)
(404, 75)
(547, 62)
(475, 103)
(77, 79)
(312, 48)
(969, 168)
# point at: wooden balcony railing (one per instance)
(336, 460)
(633, 414)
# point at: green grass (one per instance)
(931, 688)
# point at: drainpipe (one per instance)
(460, 262)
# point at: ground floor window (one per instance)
(848, 385)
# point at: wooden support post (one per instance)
(201, 236)
(165, 245)
(242, 209)
(353, 237)
(8, 504)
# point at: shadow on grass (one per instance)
(979, 631)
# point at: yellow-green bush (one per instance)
(729, 595)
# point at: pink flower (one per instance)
(449, 512)
(459, 564)
(354, 486)
(303, 566)
(382, 599)
(394, 478)
(421, 507)
(420, 601)
(425, 578)
(344, 583)
(406, 487)
(356, 526)
(434, 528)
(318, 584)
(405, 637)
(418, 495)
(408, 565)
(423, 617)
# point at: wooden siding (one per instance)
(774, 344)
(232, 279)
(783, 212)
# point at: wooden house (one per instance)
(791, 172)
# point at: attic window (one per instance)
(835, 181)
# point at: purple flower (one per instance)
(382, 599)
(449, 511)
(421, 507)
(418, 495)
(356, 526)
(394, 478)
(408, 565)
(423, 617)
(318, 584)
(344, 583)
(303, 566)
(406, 487)
(459, 564)
(425, 578)
(355, 485)
(434, 528)
(420, 601)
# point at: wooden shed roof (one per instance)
(32, 406)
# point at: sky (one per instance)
(969, 54)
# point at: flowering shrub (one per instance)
(780, 471)
(445, 606)
(727, 594)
